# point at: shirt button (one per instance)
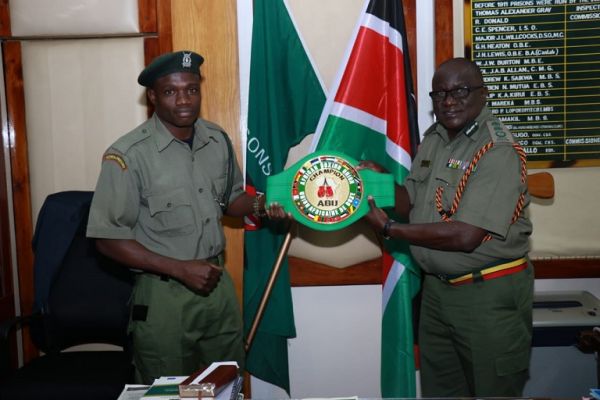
(169, 205)
(207, 220)
(200, 190)
(211, 248)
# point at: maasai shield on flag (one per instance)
(371, 115)
(285, 101)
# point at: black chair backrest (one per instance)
(88, 295)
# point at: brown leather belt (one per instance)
(496, 271)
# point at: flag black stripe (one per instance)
(392, 12)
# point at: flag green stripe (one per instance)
(285, 102)
(397, 339)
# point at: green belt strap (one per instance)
(325, 192)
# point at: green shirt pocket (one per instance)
(171, 213)
(415, 181)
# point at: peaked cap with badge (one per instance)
(168, 63)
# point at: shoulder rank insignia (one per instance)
(116, 158)
(499, 132)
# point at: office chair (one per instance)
(81, 297)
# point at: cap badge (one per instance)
(187, 60)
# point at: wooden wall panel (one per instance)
(310, 273)
(147, 10)
(410, 20)
(155, 23)
(4, 18)
(444, 31)
(20, 178)
(209, 28)
(7, 303)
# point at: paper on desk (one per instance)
(133, 392)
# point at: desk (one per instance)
(558, 368)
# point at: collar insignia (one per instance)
(471, 129)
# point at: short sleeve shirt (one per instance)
(489, 198)
(155, 189)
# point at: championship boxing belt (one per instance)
(324, 191)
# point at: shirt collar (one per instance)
(164, 138)
(471, 130)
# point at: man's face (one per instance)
(176, 100)
(452, 112)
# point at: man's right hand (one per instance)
(372, 165)
(199, 275)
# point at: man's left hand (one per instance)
(276, 212)
(376, 217)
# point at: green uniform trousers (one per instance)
(183, 331)
(475, 339)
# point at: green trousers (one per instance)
(176, 331)
(475, 339)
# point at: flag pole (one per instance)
(283, 249)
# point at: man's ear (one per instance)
(151, 95)
(485, 92)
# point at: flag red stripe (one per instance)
(387, 261)
(382, 94)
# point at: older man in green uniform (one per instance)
(466, 198)
(162, 191)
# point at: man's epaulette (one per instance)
(118, 150)
(499, 132)
(431, 129)
(211, 125)
(128, 140)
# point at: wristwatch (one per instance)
(385, 232)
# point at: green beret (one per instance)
(168, 63)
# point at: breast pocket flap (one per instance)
(168, 201)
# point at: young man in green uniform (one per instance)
(157, 208)
(466, 199)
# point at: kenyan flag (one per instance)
(371, 114)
